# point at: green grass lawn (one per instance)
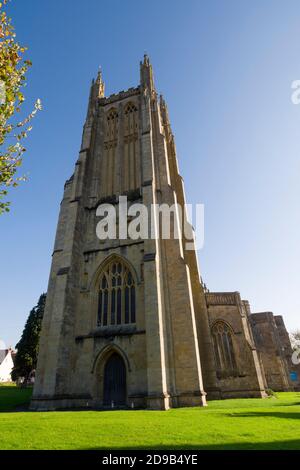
(273, 423)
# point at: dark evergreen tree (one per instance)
(27, 348)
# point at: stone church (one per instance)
(129, 322)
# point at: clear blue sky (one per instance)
(225, 69)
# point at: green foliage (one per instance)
(295, 339)
(27, 347)
(271, 393)
(13, 68)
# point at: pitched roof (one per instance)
(3, 354)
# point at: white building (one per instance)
(6, 365)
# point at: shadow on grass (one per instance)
(14, 398)
(267, 414)
(275, 445)
(295, 403)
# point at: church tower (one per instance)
(123, 315)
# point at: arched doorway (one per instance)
(114, 381)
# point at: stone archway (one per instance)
(114, 383)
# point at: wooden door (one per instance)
(114, 381)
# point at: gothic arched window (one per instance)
(131, 161)
(116, 301)
(112, 123)
(109, 159)
(224, 351)
(131, 122)
(130, 109)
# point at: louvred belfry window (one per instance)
(112, 123)
(131, 159)
(116, 298)
(131, 119)
(109, 157)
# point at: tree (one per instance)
(27, 347)
(13, 68)
(295, 339)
